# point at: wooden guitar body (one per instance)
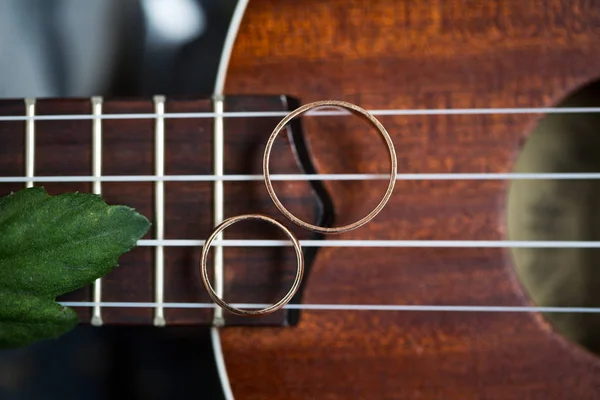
(416, 55)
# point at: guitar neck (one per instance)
(158, 156)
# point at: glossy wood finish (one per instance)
(405, 54)
(253, 275)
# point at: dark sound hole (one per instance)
(561, 210)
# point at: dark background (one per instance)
(125, 48)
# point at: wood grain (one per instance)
(405, 54)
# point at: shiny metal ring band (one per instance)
(357, 110)
(239, 311)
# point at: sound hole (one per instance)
(561, 210)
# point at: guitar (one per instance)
(438, 296)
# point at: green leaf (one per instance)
(52, 245)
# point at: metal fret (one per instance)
(97, 189)
(218, 201)
(29, 141)
(159, 208)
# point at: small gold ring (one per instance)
(238, 311)
(362, 112)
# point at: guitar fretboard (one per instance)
(164, 168)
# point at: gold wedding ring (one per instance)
(356, 110)
(238, 311)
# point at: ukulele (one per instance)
(438, 296)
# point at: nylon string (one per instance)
(281, 114)
(352, 307)
(483, 176)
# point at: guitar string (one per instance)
(352, 307)
(356, 243)
(309, 177)
(272, 114)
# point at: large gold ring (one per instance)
(238, 311)
(357, 110)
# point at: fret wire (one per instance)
(97, 189)
(29, 141)
(474, 244)
(281, 114)
(159, 209)
(309, 177)
(218, 202)
(355, 307)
